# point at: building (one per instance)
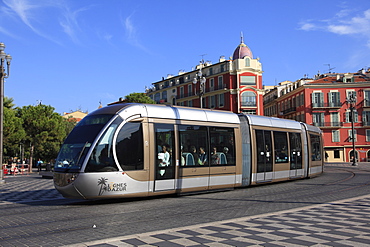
(232, 85)
(325, 102)
(75, 116)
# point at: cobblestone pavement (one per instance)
(340, 223)
(18, 190)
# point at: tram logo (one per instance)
(110, 187)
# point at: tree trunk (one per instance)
(31, 158)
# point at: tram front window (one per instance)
(76, 146)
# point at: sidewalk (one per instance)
(340, 223)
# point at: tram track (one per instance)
(127, 212)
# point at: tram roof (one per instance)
(273, 122)
(128, 110)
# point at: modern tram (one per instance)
(138, 150)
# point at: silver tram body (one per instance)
(132, 150)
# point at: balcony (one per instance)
(328, 124)
(366, 123)
(290, 110)
(327, 105)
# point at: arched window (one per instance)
(247, 62)
(248, 99)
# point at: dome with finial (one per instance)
(242, 50)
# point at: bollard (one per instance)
(2, 180)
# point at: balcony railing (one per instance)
(366, 123)
(328, 124)
(249, 104)
(292, 109)
(327, 105)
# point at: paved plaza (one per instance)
(338, 223)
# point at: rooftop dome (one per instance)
(242, 51)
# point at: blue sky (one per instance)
(74, 54)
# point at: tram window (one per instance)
(165, 160)
(295, 151)
(193, 145)
(101, 159)
(281, 147)
(264, 154)
(315, 147)
(129, 147)
(222, 146)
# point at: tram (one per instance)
(138, 150)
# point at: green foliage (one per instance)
(45, 130)
(138, 98)
(13, 132)
(38, 130)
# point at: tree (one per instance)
(13, 129)
(138, 98)
(45, 130)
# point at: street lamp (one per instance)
(3, 58)
(202, 83)
(351, 100)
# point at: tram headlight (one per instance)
(64, 179)
(72, 178)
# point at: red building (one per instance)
(325, 102)
(232, 85)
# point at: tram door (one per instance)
(295, 155)
(165, 157)
(264, 155)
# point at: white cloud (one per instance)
(37, 15)
(308, 27)
(340, 24)
(131, 33)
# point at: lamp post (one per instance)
(202, 83)
(3, 58)
(351, 99)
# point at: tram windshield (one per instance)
(75, 148)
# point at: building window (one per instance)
(190, 90)
(351, 93)
(366, 98)
(190, 103)
(164, 96)
(247, 80)
(334, 99)
(247, 62)
(334, 117)
(302, 100)
(220, 82)
(317, 99)
(157, 97)
(210, 71)
(222, 67)
(221, 100)
(212, 102)
(173, 101)
(368, 135)
(336, 154)
(318, 119)
(349, 117)
(181, 92)
(350, 135)
(211, 84)
(366, 118)
(248, 99)
(335, 135)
